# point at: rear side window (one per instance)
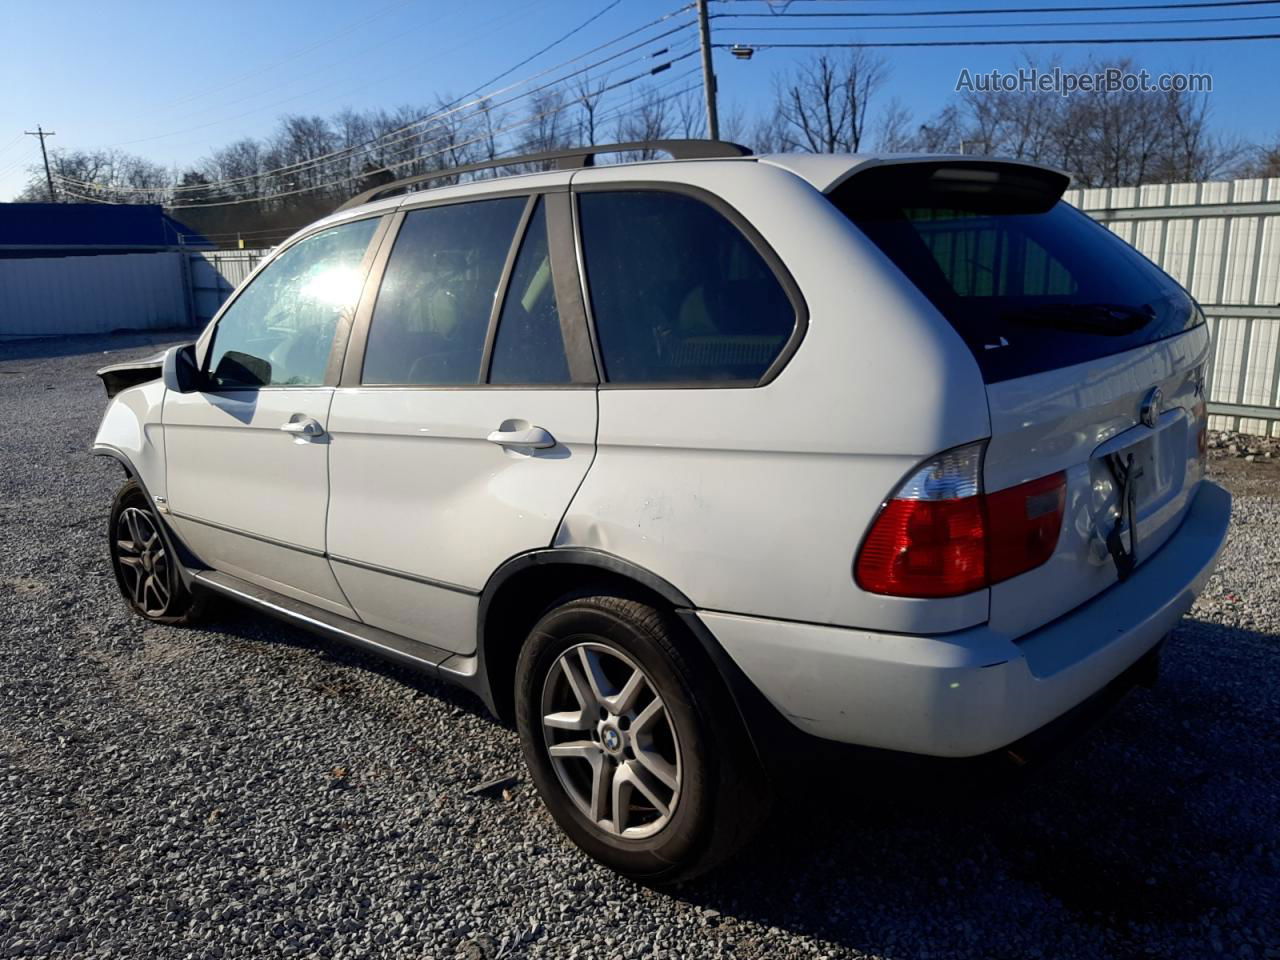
(677, 292)
(429, 323)
(1029, 282)
(279, 330)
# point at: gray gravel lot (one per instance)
(244, 790)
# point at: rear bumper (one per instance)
(971, 692)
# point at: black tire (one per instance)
(721, 796)
(146, 569)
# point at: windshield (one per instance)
(1028, 281)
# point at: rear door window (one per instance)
(432, 314)
(1028, 281)
(529, 348)
(678, 293)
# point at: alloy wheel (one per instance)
(610, 740)
(143, 561)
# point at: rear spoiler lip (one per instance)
(959, 160)
(826, 172)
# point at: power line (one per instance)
(1013, 26)
(383, 158)
(435, 153)
(554, 43)
(971, 11)
(382, 140)
(1008, 43)
(1010, 26)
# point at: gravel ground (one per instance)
(243, 790)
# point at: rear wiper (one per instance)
(1106, 319)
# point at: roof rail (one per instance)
(565, 160)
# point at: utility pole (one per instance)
(40, 132)
(708, 75)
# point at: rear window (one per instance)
(1028, 281)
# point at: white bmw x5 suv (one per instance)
(662, 458)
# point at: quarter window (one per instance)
(677, 292)
(279, 330)
(428, 327)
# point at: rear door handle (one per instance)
(302, 426)
(526, 436)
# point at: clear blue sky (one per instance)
(173, 81)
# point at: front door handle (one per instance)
(517, 433)
(303, 427)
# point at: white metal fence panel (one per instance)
(1220, 240)
(57, 296)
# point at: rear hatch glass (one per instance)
(1028, 281)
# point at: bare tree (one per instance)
(102, 175)
(824, 103)
(587, 93)
(546, 127)
(691, 116)
(1262, 160)
(768, 134)
(648, 117)
(1103, 137)
(893, 129)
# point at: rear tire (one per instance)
(146, 569)
(633, 741)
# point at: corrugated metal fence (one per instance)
(57, 296)
(1221, 240)
(214, 275)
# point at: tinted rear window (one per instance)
(1028, 281)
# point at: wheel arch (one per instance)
(188, 561)
(521, 590)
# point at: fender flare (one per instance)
(770, 735)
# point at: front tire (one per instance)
(145, 568)
(633, 742)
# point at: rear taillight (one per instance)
(941, 536)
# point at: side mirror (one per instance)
(180, 372)
(243, 370)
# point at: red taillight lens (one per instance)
(1023, 524)
(925, 545)
(925, 548)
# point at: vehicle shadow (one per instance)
(1161, 817)
(1157, 821)
(230, 619)
(44, 348)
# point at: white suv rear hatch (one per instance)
(1093, 359)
